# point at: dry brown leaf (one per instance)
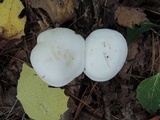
(155, 118)
(58, 10)
(132, 51)
(127, 16)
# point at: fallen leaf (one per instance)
(59, 10)
(132, 51)
(39, 101)
(155, 118)
(148, 92)
(127, 16)
(134, 33)
(10, 24)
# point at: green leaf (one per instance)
(133, 33)
(148, 93)
(39, 101)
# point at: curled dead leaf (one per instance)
(59, 11)
(127, 16)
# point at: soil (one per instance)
(88, 100)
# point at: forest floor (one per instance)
(111, 100)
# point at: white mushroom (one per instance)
(58, 57)
(61, 55)
(105, 54)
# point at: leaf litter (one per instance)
(111, 100)
(127, 16)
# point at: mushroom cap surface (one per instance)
(106, 52)
(58, 57)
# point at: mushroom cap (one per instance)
(58, 57)
(106, 52)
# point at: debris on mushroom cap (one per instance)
(58, 56)
(105, 55)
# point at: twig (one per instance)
(11, 109)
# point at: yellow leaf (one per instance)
(39, 101)
(10, 24)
